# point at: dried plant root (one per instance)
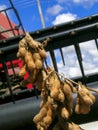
(56, 93)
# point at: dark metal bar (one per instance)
(96, 42)
(58, 37)
(17, 15)
(9, 23)
(5, 9)
(78, 52)
(53, 59)
(13, 68)
(7, 75)
(9, 30)
(62, 56)
(66, 26)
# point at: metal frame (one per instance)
(71, 33)
(12, 29)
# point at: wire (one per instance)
(27, 3)
(22, 2)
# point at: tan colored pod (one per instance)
(64, 113)
(29, 61)
(28, 37)
(68, 95)
(18, 54)
(73, 89)
(54, 88)
(22, 52)
(88, 100)
(39, 64)
(54, 93)
(77, 107)
(89, 94)
(39, 117)
(42, 52)
(31, 65)
(28, 56)
(36, 56)
(47, 120)
(56, 83)
(44, 75)
(23, 71)
(85, 98)
(22, 43)
(92, 97)
(75, 127)
(51, 81)
(39, 127)
(66, 89)
(61, 96)
(84, 109)
(32, 43)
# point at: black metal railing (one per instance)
(11, 29)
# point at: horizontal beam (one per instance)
(57, 40)
(26, 93)
(54, 29)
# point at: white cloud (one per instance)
(90, 56)
(77, 1)
(71, 68)
(65, 17)
(85, 3)
(54, 10)
(81, 1)
(2, 7)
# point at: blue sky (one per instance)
(56, 12)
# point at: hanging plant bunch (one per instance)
(56, 90)
(32, 54)
(84, 100)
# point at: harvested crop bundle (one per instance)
(56, 92)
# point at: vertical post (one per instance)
(17, 15)
(9, 23)
(40, 13)
(96, 43)
(78, 52)
(3, 60)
